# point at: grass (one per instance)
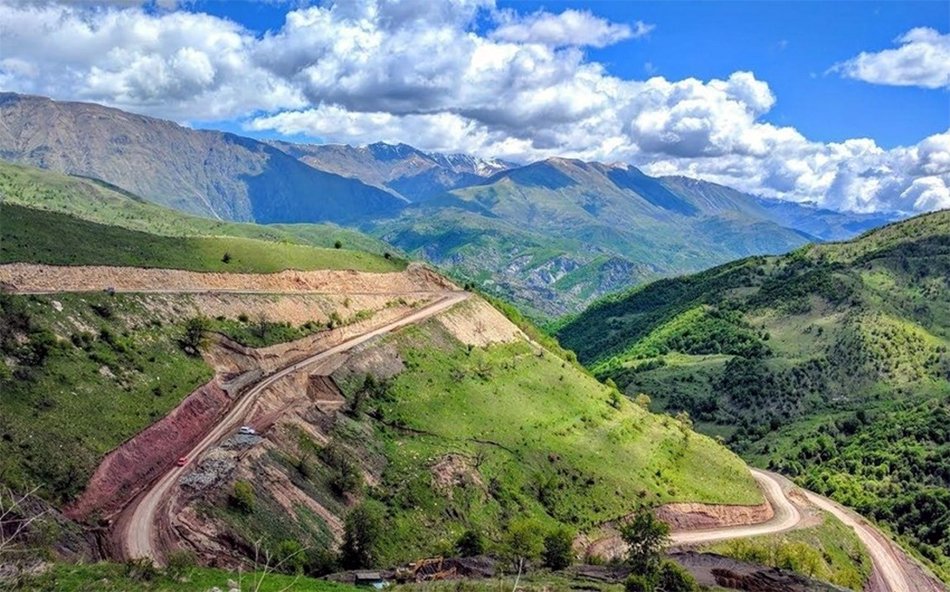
(542, 442)
(103, 203)
(38, 236)
(837, 374)
(111, 577)
(110, 370)
(830, 552)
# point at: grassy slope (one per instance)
(548, 446)
(101, 202)
(109, 370)
(829, 363)
(106, 577)
(830, 552)
(39, 236)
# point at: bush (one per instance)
(361, 533)
(180, 561)
(558, 551)
(470, 544)
(289, 557)
(672, 577)
(637, 583)
(242, 497)
(141, 569)
(523, 540)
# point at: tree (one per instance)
(361, 533)
(242, 497)
(523, 541)
(470, 544)
(558, 550)
(226, 258)
(290, 557)
(261, 324)
(672, 577)
(645, 537)
(194, 337)
(338, 245)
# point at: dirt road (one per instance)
(136, 531)
(786, 517)
(894, 571)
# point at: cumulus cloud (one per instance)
(400, 71)
(571, 27)
(923, 59)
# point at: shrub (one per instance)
(470, 544)
(226, 258)
(141, 569)
(289, 557)
(558, 552)
(361, 533)
(523, 541)
(242, 497)
(637, 583)
(672, 577)
(180, 561)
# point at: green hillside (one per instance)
(39, 236)
(829, 364)
(555, 235)
(97, 201)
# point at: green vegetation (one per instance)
(829, 364)
(106, 204)
(829, 552)
(79, 375)
(112, 577)
(525, 436)
(38, 236)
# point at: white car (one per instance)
(247, 431)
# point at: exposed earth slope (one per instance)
(829, 364)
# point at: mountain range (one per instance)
(551, 236)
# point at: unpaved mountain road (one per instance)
(136, 529)
(786, 517)
(893, 571)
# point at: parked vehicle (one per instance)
(247, 431)
(182, 461)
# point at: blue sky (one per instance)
(845, 104)
(790, 45)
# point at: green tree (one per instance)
(338, 245)
(672, 577)
(558, 550)
(194, 337)
(470, 544)
(361, 534)
(645, 537)
(523, 541)
(242, 497)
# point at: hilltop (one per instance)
(829, 364)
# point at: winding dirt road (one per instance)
(786, 517)
(136, 531)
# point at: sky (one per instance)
(844, 104)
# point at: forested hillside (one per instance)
(829, 364)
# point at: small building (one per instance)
(373, 579)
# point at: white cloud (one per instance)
(570, 28)
(923, 59)
(402, 71)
